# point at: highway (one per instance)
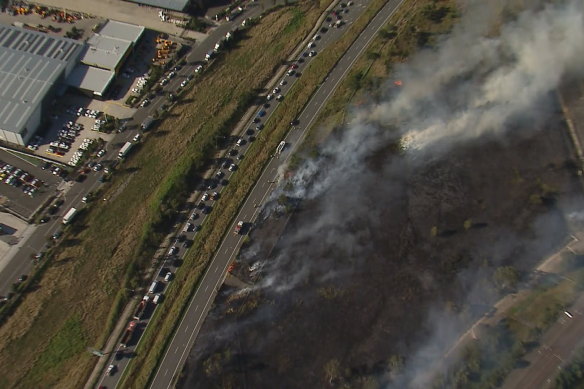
(20, 262)
(557, 347)
(185, 235)
(188, 329)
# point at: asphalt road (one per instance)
(199, 306)
(197, 216)
(20, 263)
(557, 347)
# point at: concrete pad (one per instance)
(14, 229)
(122, 11)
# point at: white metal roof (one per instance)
(120, 30)
(175, 5)
(31, 63)
(104, 52)
(90, 78)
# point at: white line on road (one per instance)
(216, 269)
(207, 288)
(166, 372)
(186, 328)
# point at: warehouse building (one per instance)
(33, 66)
(104, 56)
(173, 5)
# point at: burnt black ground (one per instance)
(493, 203)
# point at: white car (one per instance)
(276, 90)
(283, 82)
(171, 74)
(312, 53)
(111, 369)
(311, 45)
(136, 137)
(205, 197)
(232, 167)
(144, 103)
(173, 250)
(198, 68)
(280, 98)
(168, 277)
(183, 84)
(269, 97)
(100, 153)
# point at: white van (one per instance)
(153, 287)
(157, 298)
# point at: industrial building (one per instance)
(33, 66)
(104, 56)
(173, 5)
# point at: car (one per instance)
(163, 272)
(283, 82)
(100, 153)
(171, 74)
(232, 167)
(168, 276)
(119, 355)
(291, 72)
(111, 369)
(22, 278)
(269, 97)
(256, 119)
(280, 98)
(312, 53)
(97, 167)
(215, 196)
(233, 152)
(205, 197)
(188, 227)
(187, 243)
(173, 250)
(295, 122)
(294, 66)
(85, 199)
(260, 127)
(183, 84)
(219, 174)
(136, 137)
(311, 45)
(276, 90)
(262, 113)
(163, 82)
(239, 142)
(201, 205)
(45, 219)
(198, 68)
(57, 235)
(144, 103)
(316, 37)
(194, 216)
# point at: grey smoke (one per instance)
(474, 84)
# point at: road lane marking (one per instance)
(334, 87)
(207, 288)
(166, 372)
(176, 350)
(216, 269)
(226, 250)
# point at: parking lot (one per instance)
(30, 185)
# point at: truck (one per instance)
(238, 227)
(147, 123)
(233, 14)
(141, 307)
(125, 150)
(128, 334)
(69, 216)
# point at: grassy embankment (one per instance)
(110, 247)
(419, 23)
(167, 317)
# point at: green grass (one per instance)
(168, 315)
(111, 247)
(67, 342)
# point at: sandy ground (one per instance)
(123, 11)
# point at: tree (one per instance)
(506, 277)
(332, 370)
